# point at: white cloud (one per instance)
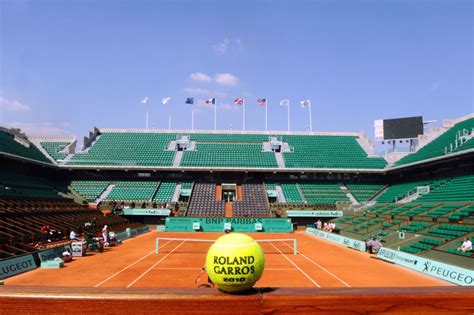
(221, 47)
(226, 79)
(41, 128)
(201, 77)
(197, 91)
(12, 105)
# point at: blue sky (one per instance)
(67, 66)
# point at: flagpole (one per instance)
(243, 115)
(288, 115)
(146, 123)
(310, 119)
(266, 116)
(192, 119)
(215, 115)
(169, 122)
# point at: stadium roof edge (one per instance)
(438, 158)
(21, 158)
(241, 132)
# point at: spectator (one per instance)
(105, 234)
(44, 232)
(376, 246)
(319, 224)
(325, 226)
(73, 236)
(466, 245)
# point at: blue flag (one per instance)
(189, 100)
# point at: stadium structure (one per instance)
(419, 203)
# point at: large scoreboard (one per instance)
(398, 128)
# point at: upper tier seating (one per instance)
(128, 149)
(54, 148)
(228, 151)
(10, 146)
(438, 146)
(328, 152)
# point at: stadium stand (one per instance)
(254, 203)
(18, 145)
(442, 145)
(18, 185)
(456, 189)
(328, 152)
(292, 193)
(89, 190)
(322, 193)
(364, 192)
(165, 191)
(133, 191)
(54, 149)
(127, 149)
(229, 155)
(203, 202)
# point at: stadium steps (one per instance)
(409, 198)
(177, 193)
(106, 192)
(228, 210)
(218, 195)
(177, 158)
(240, 193)
(281, 195)
(349, 194)
(280, 160)
(380, 192)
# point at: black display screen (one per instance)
(402, 128)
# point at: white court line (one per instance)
(125, 268)
(296, 266)
(315, 263)
(197, 268)
(154, 265)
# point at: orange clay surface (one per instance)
(133, 263)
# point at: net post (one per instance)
(157, 245)
(294, 247)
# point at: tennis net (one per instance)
(190, 245)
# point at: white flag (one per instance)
(145, 100)
(166, 100)
(305, 103)
(285, 102)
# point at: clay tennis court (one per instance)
(134, 264)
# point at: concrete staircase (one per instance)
(105, 193)
(176, 194)
(280, 160)
(177, 158)
(349, 194)
(228, 210)
(281, 196)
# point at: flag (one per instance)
(145, 100)
(239, 101)
(210, 101)
(189, 100)
(262, 101)
(166, 100)
(305, 103)
(285, 102)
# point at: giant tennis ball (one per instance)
(235, 262)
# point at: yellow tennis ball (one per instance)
(235, 262)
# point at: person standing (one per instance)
(105, 234)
